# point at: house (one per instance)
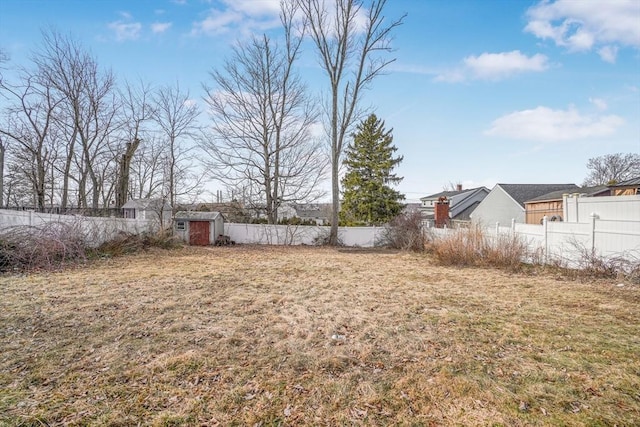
(461, 203)
(551, 204)
(320, 213)
(148, 209)
(198, 228)
(629, 187)
(506, 202)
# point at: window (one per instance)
(181, 225)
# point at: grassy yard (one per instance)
(314, 336)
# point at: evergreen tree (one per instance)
(368, 197)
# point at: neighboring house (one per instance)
(320, 213)
(198, 228)
(155, 209)
(461, 203)
(630, 187)
(506, 202)
(551, 204)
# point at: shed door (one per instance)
(199, 233)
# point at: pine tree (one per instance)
(368, 197)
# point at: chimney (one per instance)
(458, 187)
(442, 212)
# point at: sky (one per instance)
(480, 92)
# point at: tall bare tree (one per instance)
(29, 123)
(261, 117)
(350, 40)
(176, 115)
(147, 170)
(87, 114)
(612, 168)
(136, 113)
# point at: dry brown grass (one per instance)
(313, 336)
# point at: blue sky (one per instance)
(481, 92)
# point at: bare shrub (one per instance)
(593, 265)
(405, 232)
(128, 243)
(473, 247)
(45, 247)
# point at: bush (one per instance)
(57, 244)
(472, 247)
(128, 243)
(405, 232)
(47, 247)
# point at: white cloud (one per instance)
(160, 27)
(599, 103)
(495, 66)
(546, 125)
(245, 16)
(125, 30)
(499, 65)
(584, 25)
(608, 53)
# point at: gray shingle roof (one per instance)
(524, 192)
(202, 216)
(627, 183)
(449, 194)
(557, 195)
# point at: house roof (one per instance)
(557, 195)
(198, 216)
(146, 204)
(450, 194)
(465, 214)
(524, 192)
(628, 183)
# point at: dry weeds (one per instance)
(313, 336)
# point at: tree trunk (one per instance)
(2, 152)
(122, 190)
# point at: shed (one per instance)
(198, 228)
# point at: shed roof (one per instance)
(524, 192)
(197, 216)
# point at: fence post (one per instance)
(513, 226)
(497, 228)
(593, 217)
(30, 218)
(545, 239)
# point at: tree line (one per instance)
(71, 135)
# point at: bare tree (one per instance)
(349, 54)
(29, 122)
(87, 114)
(612, 168)
(176, 115)
(261, 114)
(136, 111)
(146, 169)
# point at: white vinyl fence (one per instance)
(96, 230)
(300, 234)
(570, 242)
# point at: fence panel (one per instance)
(300, 234)
(96, 230)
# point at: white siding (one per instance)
(498, 206)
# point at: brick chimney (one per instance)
(442, 212)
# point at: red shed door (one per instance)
(199, 233)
